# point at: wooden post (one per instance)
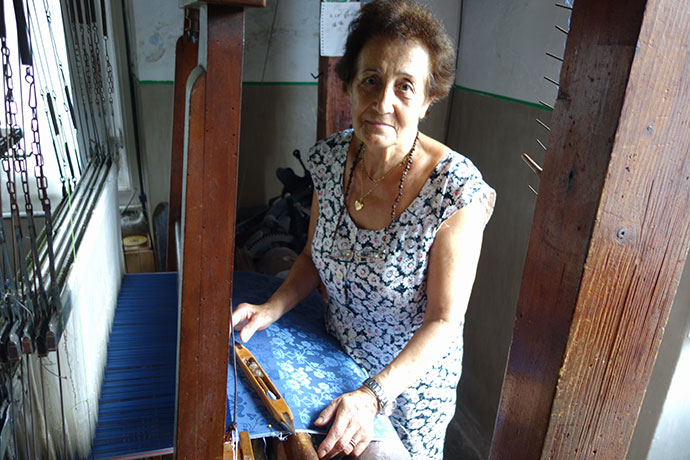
(333, 113)
(609, 239)
(190, 393)
(186, 59)
(212, 149)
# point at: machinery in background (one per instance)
(269, 241)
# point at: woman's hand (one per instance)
(249, 318)
(353, 426)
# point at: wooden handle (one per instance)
(301, 447)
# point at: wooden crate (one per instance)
(138, 254)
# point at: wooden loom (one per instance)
(609, 239)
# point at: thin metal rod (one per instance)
(543, 124)
(531, 188)
(554, 56)
(561, 29)
(533, 165)
(564, 6)
(43, 392)
(62, 407)
(551, 80)
(546, 105)
(25, 377)
(541, 144)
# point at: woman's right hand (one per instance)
(249, 318)
(302, 279)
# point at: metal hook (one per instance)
(191, 25)
(554, 56)
(546, 105)
(551, 80)
(543, 124)
(533, 165)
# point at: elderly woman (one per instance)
(395, 235)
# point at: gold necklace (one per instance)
(349, 256)
(359, 204)
(363, 165)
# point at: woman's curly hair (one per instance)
(401, 20)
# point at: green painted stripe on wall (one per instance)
(154, 82)
(248, 83)
(278, 83)
(505, 98)
(315, 83)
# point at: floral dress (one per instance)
(376, 304)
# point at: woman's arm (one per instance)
(300, 281)
(452, 267)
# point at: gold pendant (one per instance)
(358, 205)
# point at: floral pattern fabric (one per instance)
(375, 306)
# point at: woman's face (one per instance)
(388, 93)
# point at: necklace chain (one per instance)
(363, 164)
(362, 159)
(408, 164)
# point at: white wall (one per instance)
(281, 40)
(671, 436)
(503, 44)
(670, 440)
(155, 26)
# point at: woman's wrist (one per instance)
(275, 308)
(385, 403)
(374, 399)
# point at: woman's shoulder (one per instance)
(322, 151)
(461, 183)
(459, 168)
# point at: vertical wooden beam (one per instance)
(186, 58)
(209, 226)
(333, 113)
(609, 239)
(189, 390)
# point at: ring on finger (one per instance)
(353, 443)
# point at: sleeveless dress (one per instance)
(375, 304)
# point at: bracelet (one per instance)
(386, 406)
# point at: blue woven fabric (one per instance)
(136, 410)
(305, 363)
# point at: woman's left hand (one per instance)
(353, 424)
